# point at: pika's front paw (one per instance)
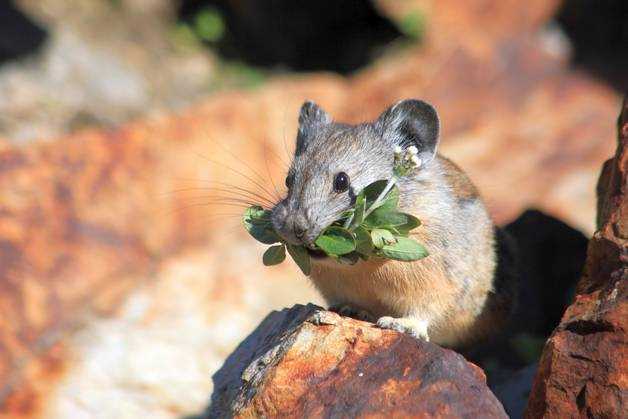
(414, 327)
(349, 311)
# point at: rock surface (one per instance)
(105, 63)
(584, 368)
(307, 362)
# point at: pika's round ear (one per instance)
(411, 122)
(311, 117)
(311, 113)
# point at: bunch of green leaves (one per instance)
(372, 228)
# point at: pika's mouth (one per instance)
(316, 253)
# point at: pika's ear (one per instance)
(312, 114)
(311, 117)
(411, 122)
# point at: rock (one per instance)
(584, 367)
(306, 362)
(101, 65)
(514, 391)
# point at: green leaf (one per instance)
(381, 237)
(372, 191)
(392, 199)
(363, 241)
(274, 255)
(405, 249)
(257, 222)
(336, 241)
(348, 213)
(358, 213)
(383, 217)
(411, 224)
(301, 257)
(257, 213)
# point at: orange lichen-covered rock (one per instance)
(307, 362)
(584, 368)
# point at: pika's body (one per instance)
(462, 291)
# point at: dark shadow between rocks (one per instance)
(326, 35)
(598, 31)
(551, 258)
(19, 35)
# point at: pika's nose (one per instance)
(299, 231)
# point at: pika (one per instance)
(464, 291)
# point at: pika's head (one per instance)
(334, 161)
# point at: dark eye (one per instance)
(341, 182)
(289, 181)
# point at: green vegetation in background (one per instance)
(184, 38)
(413, 25)
(234, 74)
(207, 25)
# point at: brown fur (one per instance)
(460, 184)
(453, 296)
(453, 300)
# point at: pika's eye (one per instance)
(341, 182)
(289, 181)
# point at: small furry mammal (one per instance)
(455, 296)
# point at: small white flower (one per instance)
(416, 162)
(398, 150)
(413, 150)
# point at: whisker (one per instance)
(256, 195)
(202, 204)
(284, 163)
(227, 201)
(229, 189)
(211, 204)
(258, 184)
(285, 145)
(227, 215)
(256, 173)
(239, 192)
(270, 176)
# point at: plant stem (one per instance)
(382, 195)
(391, 182)
(348, 221)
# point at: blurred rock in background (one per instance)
(124, 284)
(102, 63)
